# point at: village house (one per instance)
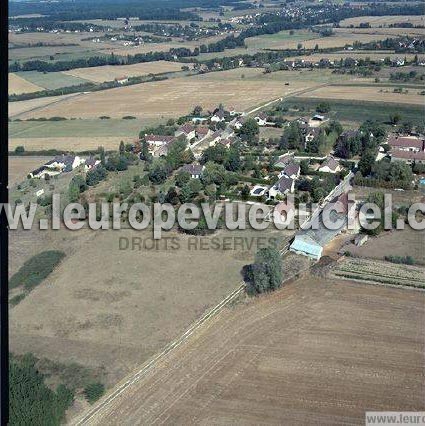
(215, 137)
(233, 112)
(347, 135)
(218, 116)
(91, 163)
(317, 120)
(311, 133)
(202, 132)
(121, 80)
(406, 143)
(187, 130)
(158, 140)
(408, 157)
(163, 149)
(239, 122)
(226, 142)
(60, 164)
(282, 187)
(291, 170)
(195, 170)
(397, 62)
(283, 161)
(65, 163)
(261, 119)
(330, 165)
(42, 172)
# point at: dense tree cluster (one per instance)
(31, 401)
(265, 274)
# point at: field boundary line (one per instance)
(41, 107)
(153, 361)
(288, 96)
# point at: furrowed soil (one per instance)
(315, 352)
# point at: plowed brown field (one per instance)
(316, 352)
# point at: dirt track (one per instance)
(316, 352)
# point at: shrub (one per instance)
(93, 391)
(16, 299)
(406, 260)
(265, 274)
(19, 149)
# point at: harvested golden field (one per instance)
(376, 21)
(174, 97)
(315, 352)
(21, 107)
(18, 85)
(109, 72)
(309, 40)
(20, 166)
(367, 93)
(116, 49)
(340, 39)
(56, 39)
(75, 144)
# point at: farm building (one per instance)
(330, 165)
(307, 246)
(310, 242)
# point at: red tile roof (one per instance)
(408, 155)
(406, 142)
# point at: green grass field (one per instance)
(43, 53)
(76, 128)
(278, 40)
(359, 111)
(51, 80)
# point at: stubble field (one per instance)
(109, 72)
(316, 352)
(308, 40)
(171, 98)
(108, 307)
(376, 21)
(20, 166)
(18, 85)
